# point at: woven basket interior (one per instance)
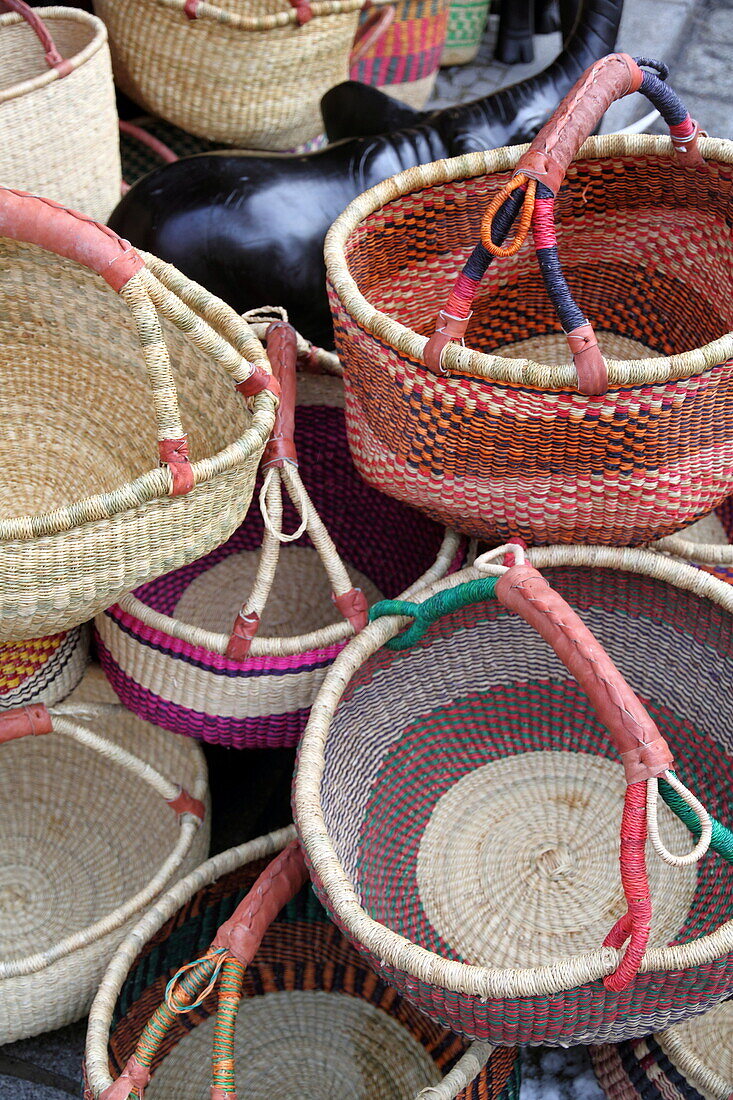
(646, 248)
(21, 53)
(76, 408)
(468, 774)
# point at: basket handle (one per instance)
(530, 195)
(371, 31)
(34, 21)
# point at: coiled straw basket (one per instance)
(233, 648)
(125, 450)
(459, 799)
(506, 436)
(312, 1020)
(691, 1061)
(43, 670)
(58, 118)
(99, 818)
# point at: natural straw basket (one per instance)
(184, 651)
(499, 441)
(404, 61)
(691, 1061)
(250, 73)
(43, 670)
(459, 799)
(58, 119)
(85, 515)
(87, 843)
(312, 1021)
(466, 25)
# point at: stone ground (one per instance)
(696, 38)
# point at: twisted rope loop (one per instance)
(442, 603)
(529, 186)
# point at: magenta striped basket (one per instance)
(263, 701)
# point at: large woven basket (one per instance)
(58, 119)
(404, 61)
(312, 1022)
(466, 25)
(249, 72)
(496, 438)
(233, 648)
(459, 800)
(43, 670)
(109, 383)
(691, 1061)
(99, 818)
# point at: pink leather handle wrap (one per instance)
(282, 351)
(33, 220)
(32, 720)
(559, 140)
(277, 885)
(53, 57)
(643, 750)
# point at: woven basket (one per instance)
(466, 25)
(187, 653)
(99, 494)
(249, 73)
(404, 61)
(87, 843)
(692, 1061)
(331, 1030)
(459, 800)
(499, 441)
(58, 119)
(43, 670)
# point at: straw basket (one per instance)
(43, 670)
(250, 73)
(99, 492)
(311, 1020)
(233, 648)
(404, 61)
(511, 439)
(466, 25)
(691, 1061)
(58, 119)
(87, 843)
(460, 798)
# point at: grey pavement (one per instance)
(695, 37)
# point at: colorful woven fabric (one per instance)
(42, 669)
(461, 796)
(404, 62)
(504, 444)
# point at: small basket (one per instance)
(466, 25)
(404, 61)
(691, 1061)
(88, 844)
(186, 653)
(311, 1020)
(99, 493)
(459, 798)
(43, 670)
(512, 440)
(58, 118)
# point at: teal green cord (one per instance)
(442, 603)
(722, 840)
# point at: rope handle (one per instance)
(151, 142)
(34, 21)
(530, 195)
(371, 31)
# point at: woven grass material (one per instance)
(43, 670)
(164, 647)
(242, 74)
(404, 62)
(402, 746)
(313, 1020)
(87, 843)
(506, 445)
(466, 25)
(691, 1061)
(85, 508)
(59, 133)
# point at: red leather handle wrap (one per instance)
(53, 57)
(277, 885)
(24, 722)
(282, 351)
(643, 750)
(559, 140)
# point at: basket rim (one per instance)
(683, 1055)
(48, 76)
(392, 949)
(288, 15)
(480, 366)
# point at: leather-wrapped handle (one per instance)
(27, 721)
(53, 57)
(371, 31)
(560, 139)
(282, 351)
(643, 750)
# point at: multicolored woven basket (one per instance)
(500, 441)
(404, 61)
(459, 799)
(466, 25)
(311, 1018)
(233, 648)
(43, 670)
(691, 1061)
